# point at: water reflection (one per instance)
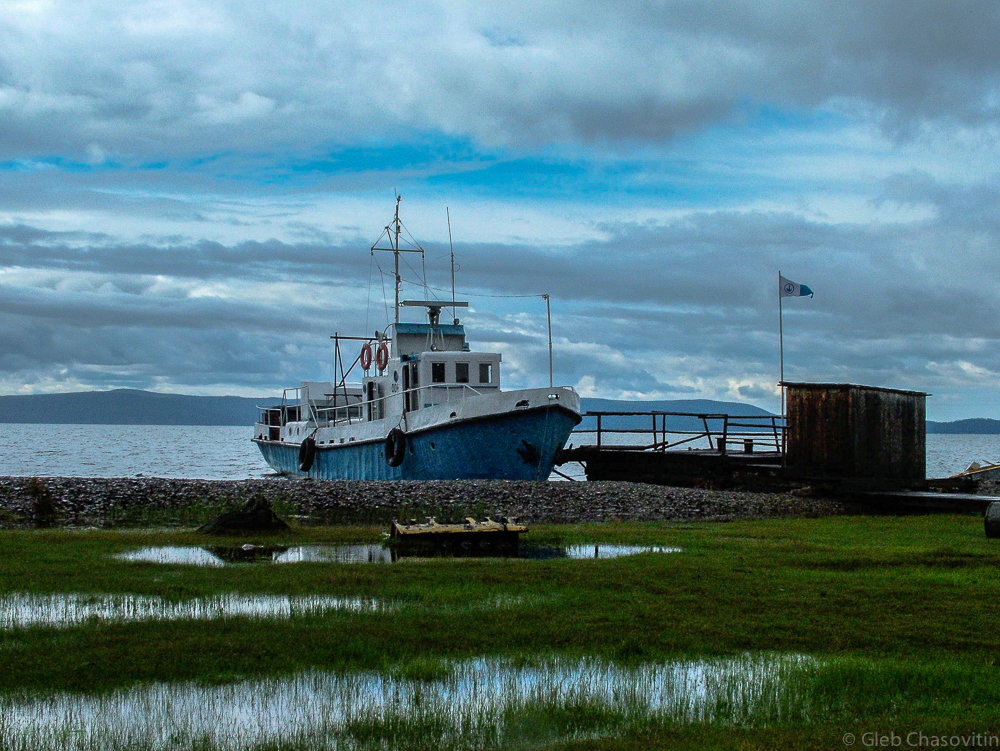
(370, 553)
(174, 554)
(479, 704)
(588, 550)
(21, 610)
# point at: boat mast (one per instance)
(454, 312)
(395, 254)
(392, 233)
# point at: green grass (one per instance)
(901, 612)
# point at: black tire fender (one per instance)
(307, 454)
(395, 447)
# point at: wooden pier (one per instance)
(883, 475)
(679, 448)
(683, 468)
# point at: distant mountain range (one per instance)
(134, 407)
(130, 407)
(673, 422)
(974, 425)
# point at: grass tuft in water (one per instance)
(41, 503)
(421, 669)
(481, 703)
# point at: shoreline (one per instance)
(126, 501)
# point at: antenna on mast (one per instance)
(454, 312)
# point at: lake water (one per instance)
(226, 453)
(181, 451)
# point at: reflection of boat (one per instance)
(427, 407)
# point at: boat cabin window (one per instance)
(461, 372)
(485, 372)
(411, 382)
(437, 372)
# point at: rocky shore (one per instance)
(105, 502)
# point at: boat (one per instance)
(427, 407)
(979, 471)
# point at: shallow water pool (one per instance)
(367, 553)
(22, 610)
(478, 703)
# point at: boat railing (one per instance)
(453, 392)
(338, 414)
(285, 401)
(663, 431)
(449, 390)
(348, 414)
(275, 416)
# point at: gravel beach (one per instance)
(108, 501)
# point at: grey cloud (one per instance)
(26, 246)
(259, 79)
(899, 305)
(88, 310)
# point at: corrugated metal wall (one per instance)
(849, 431)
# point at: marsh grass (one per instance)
(19, 611)
(483, 703)
(899, 614)
(192, 513)
(41, 504)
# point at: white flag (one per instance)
(788, 288)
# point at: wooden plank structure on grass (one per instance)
(467, 536)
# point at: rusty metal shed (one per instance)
(845, 431)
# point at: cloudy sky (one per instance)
(189, 190)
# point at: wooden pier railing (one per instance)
(663, 431)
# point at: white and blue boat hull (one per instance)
(518, 445)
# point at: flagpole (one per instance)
(781, 346)
(548, 316)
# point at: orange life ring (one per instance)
(382, 356)
(366, 356)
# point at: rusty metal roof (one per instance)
(831, 386)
